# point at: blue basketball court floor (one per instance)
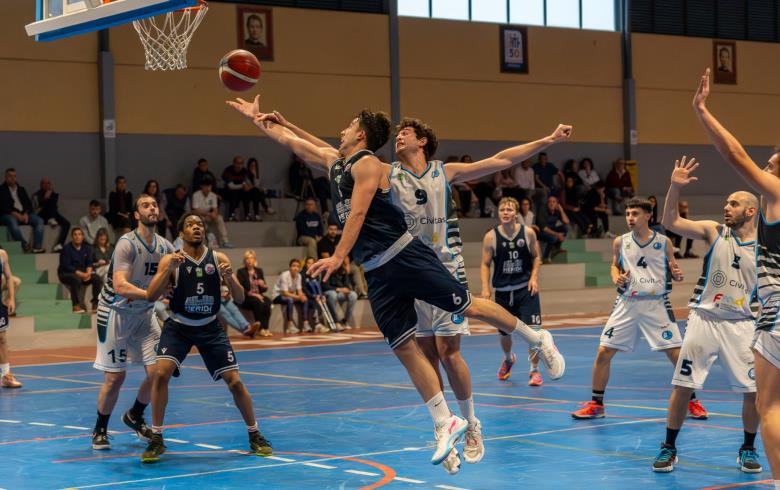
(346, 417)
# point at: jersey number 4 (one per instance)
(642, 262)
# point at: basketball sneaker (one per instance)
(748, 460)
(505, 371)
(100, 440)
(451, 464)
(474, 450)
(665, 460)
(153, 451)
(447, 434)
(9, 381)
(143, 431)
(589, 410)
(535, 378)
(553, 361)
(696, 411)
(259, 444)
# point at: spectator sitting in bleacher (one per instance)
(677, 239)
(595, 207)
(288, 292)
(548, 177)
(152, 189)
(619, 186)
(252, 280)
(526, 215)
(300, 178)
(120, 207)
(526, 180)
(587, 173)
(339, 290)
(554, 229)
(230, 315)
(326, 245)
(44, 202)
(102, 251)
(572, 200)
(202, 173)
(16, 209)
(76, 272)
(653, 223)
(206, 204)
(308, 224)
(175, 202)
(256, 191)
(94, 221)
(236, 188)
(504, 185)
(312, 287)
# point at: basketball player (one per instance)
(513, 250)
(124, 320)
(196, 274)
(643, 266)
(766, 343)
(399, 268)
(420, 188)
(7, 379)
(720, 323)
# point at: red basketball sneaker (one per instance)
(505, 371)
(589, 410)
(696, 411)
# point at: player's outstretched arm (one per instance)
(484, 266)
(9, 280)
(226, 271)
(368, 174)
(314, 156)
(277, 117)
(461, 172)
(697, 230)
(619, 277)
(731, 149)
(164, 275)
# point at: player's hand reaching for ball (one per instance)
(561, 133)
(681, 175)
(248, 109)
(623, 279)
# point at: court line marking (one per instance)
(317, 465)
(363, 473)
(740, 484)
(279, 458)
(42, 424)
(408, 480)
(208, 446)
(448, 487)
(76, 427)
(11, 421)
(168, 439)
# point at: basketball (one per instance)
(239, 70)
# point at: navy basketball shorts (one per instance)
(4, 324)
(211, 340)
(414, 273)
(521, 304)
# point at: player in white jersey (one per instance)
(420, 186)
(766, 343)
(643, 267)
(125, 329)
(720, 322)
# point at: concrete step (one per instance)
(27, 306)
(45, 322)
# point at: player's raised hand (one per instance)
(681, 175)
(700, 99)
(623, 279)
(248, 109)
(225, 269)
(325, 266)
(561, 133)
(276, 117)
(677, 273)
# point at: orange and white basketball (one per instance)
(239, 70)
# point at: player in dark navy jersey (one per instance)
(766, 343)
(399, 268)
(7, 379)
(196, 274)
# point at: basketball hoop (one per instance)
(166, 37)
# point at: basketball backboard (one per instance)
(57, 19)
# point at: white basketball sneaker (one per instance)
(447, 435)
(553, 361)
(451, 464)
(474, 450)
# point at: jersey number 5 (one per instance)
(421, 195)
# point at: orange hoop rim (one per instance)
(195, 8)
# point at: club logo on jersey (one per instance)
(457, 319)
(210, 269)
(411, 221)
(752, 374)
(163, 350)
(657, 245)
(735, 264)
(189, 269)
(718, 279)
(198, 272)
(435, 173)
(162, 249)
(511, 245)
(667, 335)
(520, 243)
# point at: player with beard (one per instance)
(125, 328)
(195, 274)
(720, 322)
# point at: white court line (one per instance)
(582, 427)
(317, 465)
(42, 424)
(75, 427)
(364, 473)
(208, 446)
(279, 458)
(177, 440)
(447, 487)
(408, 480)
(11, 421)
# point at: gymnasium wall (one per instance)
(329, 64)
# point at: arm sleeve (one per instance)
(123, 255)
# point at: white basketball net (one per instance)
(166, 37)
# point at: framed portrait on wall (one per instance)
(724, 61)
(255, 31)
(514, 49)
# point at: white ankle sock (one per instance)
(5, 368)
(467, 410)
(438, 408)
(253, 428)
(526, 333)
(777, 484)
(157, 430)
